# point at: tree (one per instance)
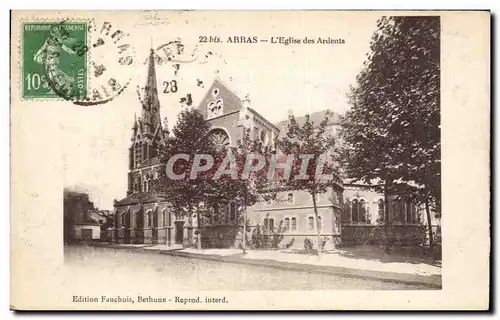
(311, 145)
(210, 188)
(190, 136)
(256, 186)
(392, 132)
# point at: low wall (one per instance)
(227, 236)
(397, 234)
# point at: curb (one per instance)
(430, 282)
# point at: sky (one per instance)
(303, 78)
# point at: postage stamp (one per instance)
(54, 59)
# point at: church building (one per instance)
(143, 215)
(348, 213)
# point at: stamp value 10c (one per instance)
(54, 59)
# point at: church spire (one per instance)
(151, 103)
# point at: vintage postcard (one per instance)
(250, 160)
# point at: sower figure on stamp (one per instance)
(48, 56)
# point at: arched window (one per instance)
(269, 224)
(139, 222)
(362, 211)
(219, 138)
(137, 184)
(215, 108)
(320, 223)
(128, 220)
(398, 211)
(138, 155)
(263, 136)
(145, 182)
(164, 217)
(287, 224)
(381, 210)
(232, 211)
(150, 219)
(310, 223)
(156, 216)
(290, 198)
(354, 211)
(178, 216)
(293, 226)
(410, 212)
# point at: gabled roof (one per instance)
(231, 101)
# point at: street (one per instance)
(179, 273)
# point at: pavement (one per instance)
(364, 263)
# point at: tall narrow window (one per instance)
(128, 220)
(269, 224)
(354, 211)
(320, 223)
(290, 198)
(310, 224)
(293, 226)
(287, 224)
(410, 212)
(399, 213)
(139, 223)
(232, 211)
(381, 210)
(216, 213)
(362, 211)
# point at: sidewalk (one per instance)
(376, 265)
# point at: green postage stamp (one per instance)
(54, 59)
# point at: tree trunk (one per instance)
(429, 222)
(318, 227)
(244, 236)
(386, 216)
(198, 224)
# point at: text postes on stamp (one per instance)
(54, 59)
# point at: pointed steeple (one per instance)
(151, 103)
